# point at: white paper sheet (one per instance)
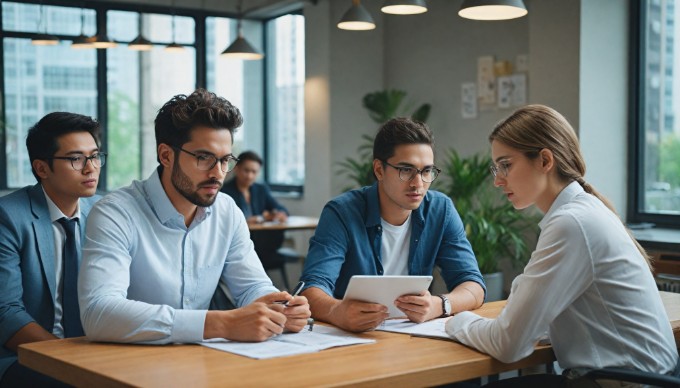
(289, 344)
(433, 329)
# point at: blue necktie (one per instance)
(70, 319)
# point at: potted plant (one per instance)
(495, 229)
(382, 106)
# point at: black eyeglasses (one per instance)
(407, 173)
(207, 162)
(78, 162)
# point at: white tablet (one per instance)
(385, 289)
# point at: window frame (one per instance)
(101, 8)
(636, 136)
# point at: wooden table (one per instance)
(292, 223)
(395, 359)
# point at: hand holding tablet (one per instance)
(385, 289)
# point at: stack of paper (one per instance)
(289, 344)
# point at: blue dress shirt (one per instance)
(147, 278)
(348, 238)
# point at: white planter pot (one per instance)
(494, 286)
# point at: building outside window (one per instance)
(656, 188)
(41, 79)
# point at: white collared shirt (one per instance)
(147, 278)
(588, 287)
(59, 240)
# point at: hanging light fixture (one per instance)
(174, 47)
(44, 39)
(492, 9)
(82, 41)
(140, 43)
(356, 18)
(240, 48)
(102, 41)
(404, 7)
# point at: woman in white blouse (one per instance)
(588, 284)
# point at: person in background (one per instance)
(157, 250)
(395, 227)
(588, 284)
(253, 198)
(41, 231)
(258, 205)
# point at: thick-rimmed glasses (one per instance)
(407, 173)
(207, 162)
(78, 162)
(502, 168)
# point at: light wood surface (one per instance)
(671, 301)
(293, 223)
(394, 359)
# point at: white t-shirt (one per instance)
(588, 287)
(394, 247)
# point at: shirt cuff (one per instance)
(188, 326)
(458, 325)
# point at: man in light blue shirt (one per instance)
(395, 227)
(157, 250)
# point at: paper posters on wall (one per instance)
(468, 100)
(512, 90)
(486, 80)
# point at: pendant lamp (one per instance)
(404, 7)
(356, 18)
(82, 41)
(174, 47)
(240, 48)
(492, 9)
(44, 39)
(140, 43)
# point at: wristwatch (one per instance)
(446, 306)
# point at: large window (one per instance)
(139, 83)
(42, 79)
(655, 196)
(285, 91)
(125, 88)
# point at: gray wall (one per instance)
(577, 64)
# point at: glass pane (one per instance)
(49, 19)
(39, 80)
(139, 83)
(661, 138)
(285, 96)
(238, 81)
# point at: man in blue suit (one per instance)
(35, 274)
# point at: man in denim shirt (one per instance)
(395, 227)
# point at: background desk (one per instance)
(293, 223)
(394, 359)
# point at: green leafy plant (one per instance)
(382, 106)
(495, 229)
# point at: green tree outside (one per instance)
(669, 160)
(123, 146)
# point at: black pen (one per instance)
(295, 293)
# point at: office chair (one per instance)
(634, 376)
(268, 247)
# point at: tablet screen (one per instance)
(385, 289)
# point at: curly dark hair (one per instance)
(176, 119)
